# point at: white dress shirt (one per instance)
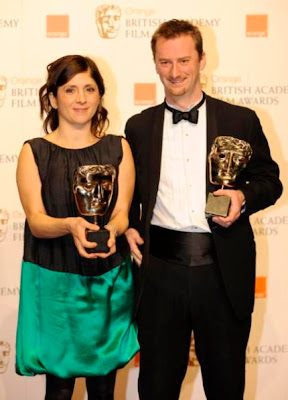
(181, 196)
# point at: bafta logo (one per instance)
(4, 216)
(4, 355)
(3, 85)
(108, 20)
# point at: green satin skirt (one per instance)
(71, 325)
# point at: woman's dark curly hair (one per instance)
(59, 73)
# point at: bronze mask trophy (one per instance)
(228, 157)
(93, 189)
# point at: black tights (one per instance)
(98, 387)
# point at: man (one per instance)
(197, 274)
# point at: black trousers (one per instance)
(98, 387)
(178, 300)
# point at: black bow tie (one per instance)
(191, 116)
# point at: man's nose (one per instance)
(174, 71)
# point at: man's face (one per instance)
(109, 22)
(4, 356)
(3, 224)
(228, 157)
(3, 84)
(93, 188)
(178, 65)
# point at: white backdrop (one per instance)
(247, 64)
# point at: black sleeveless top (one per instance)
(56, 167)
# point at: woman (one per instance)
(75, 313)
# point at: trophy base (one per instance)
(101, 237)
(217, 206)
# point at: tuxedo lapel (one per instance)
(155, 147)
(212, 133)
(212, 128)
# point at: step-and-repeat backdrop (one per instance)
(247, 65)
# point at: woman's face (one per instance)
(77, 100)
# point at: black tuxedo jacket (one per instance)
(259, 182)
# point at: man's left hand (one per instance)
(237, 200)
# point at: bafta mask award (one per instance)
(228, 157)
(93, 189)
